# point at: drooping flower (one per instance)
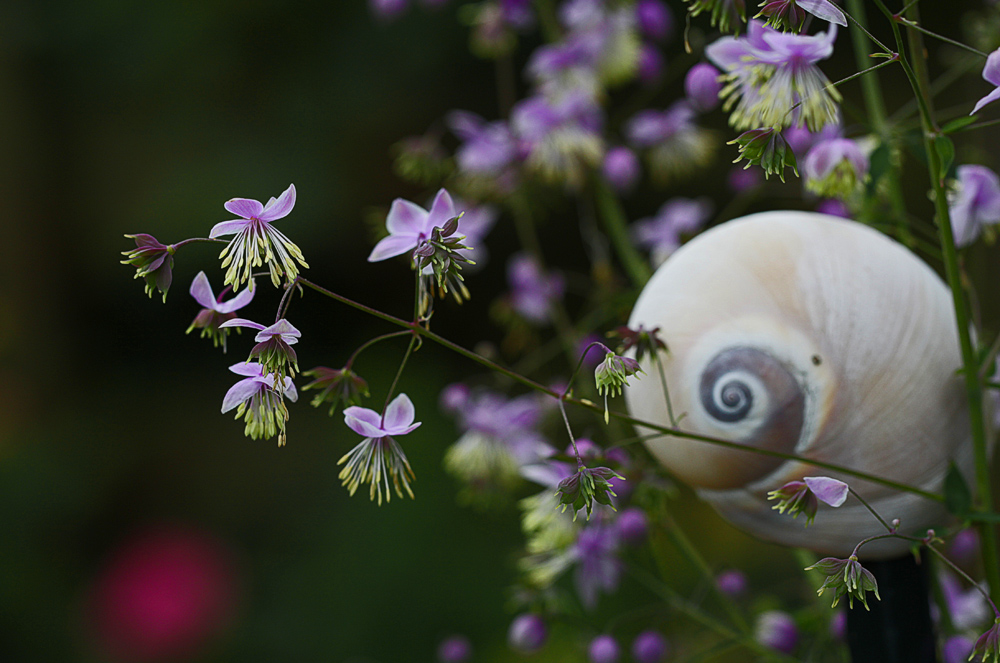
(274, 345)
(661, 235)
(791, 14)
(846, 577)
(256, 399)
(835, 168)
(532, 291)
(612, 374)
(410, 225)
(957, 649)
(650, 647)
(777, 630)
(766, 148)
(988, 644)
(727, 15)
(974, 202)
(795, 497)
(586, 486)
(379, 457)
(257, 242)
(829, 491)
(702, 87)
(439, 261)
(153, 262)
(215, 312)
(991, 74)
(336, 385)
(603, 649)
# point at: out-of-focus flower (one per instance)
(256, 399)
(957, 649)
(621, 168)
(255, 236)
(846, 577)
(795, 497)
(336, 385)
(409, 225)
(801, 140)
(702, 87)
(727, 15)
(650, 64)
(487, 147)
(974, 202)
(833, 207)
(517, 13)
(379, 457)
(791, 14)
(732, 583)
(632, 525)
(388, 9)
(777, 630)
(643, 341)
(454, 649)
(650, 647)
(835, 168)
(603, 649)
(988, 644)
(475, 224)
(743, 180)
(421, 159)
(964, 547)
(597, 564)
(274, 346)
(527, 633)
(766, 148)
(838, 626)
(162, 596)
(655, 19)
(967, 608)
(674, 143)
(661, 235)
(991, 74)
(532, 292)
(454, 397)
(773, 80)
(561, 139)
(153, 262)
(215, 311)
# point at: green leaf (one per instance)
(958, 123)
(946, 150)
(957, 497)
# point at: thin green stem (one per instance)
(915, 26)
(399, 373)
(871, 510)
(286, 300)
(666, 391)
(367, 344)
(616, 226)
(569, 430)
(978, 125)
(192, 240)
(858, 19)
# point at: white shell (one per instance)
(865, 331)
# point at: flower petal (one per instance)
(247, 368)
(363, 421)
(281, 328)
(988, 99)
(239, 392)
(290, 392)
(244, 207)
(280, 207)
(227, 228)
(242, 322)
(202, 291)
(406, 217)
(398, 415)
(442, 210)
(237, 302)
(392, 246)
(827, 490)
(825, 10)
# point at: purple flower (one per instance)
(777, 630)
(215, 311)
(732, 583)
(838, 626)
(827, 490)
(273, 347)
(791, 14)
(674, 141)
(455, 649)
(336, 385)
(603, 649)
(801, 140)
(532, 292)
(517, 13)
(988, 644)
(967, 608)
(621, 168)
(632, 525)
(487, 147)
(255, 236)
(835, 168)
(964, 547)
(654, 18)
(527, 633)
(975, 201)
(379, 457)
(702, 86)
(742, 180)
(649, 647)
(650, 64)
(475, 224)
(597, 564)
(661, 234)
(991, 73)
(410, 225)
(257, 400)
(153, 262)
(846, 577)
(595, 355)
(586, 486)
(561, 140)
(833, 207)
(388, 9)
(957, 649)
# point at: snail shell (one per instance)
(807, 334)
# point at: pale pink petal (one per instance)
(442, 210)
(392, 246)
(239, 392)
(242, 322)
(363, 421)
(244, 207)
(249, 369)
(281, 328)
(290, 392)
(991, 72)
(202, 291)
(408, 429)
(406, 218)
(227, 228)
(237, 302)
(399, 415)
(827, 490)
(280, 207)
(988, 99)
(825, 10)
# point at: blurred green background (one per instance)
(125, 117)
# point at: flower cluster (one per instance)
(259, 400)
(336, 385)
(586, 486)
(153, 261)
(846, 577)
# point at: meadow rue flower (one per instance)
(655, 19)
(336, 385)
(991, 74)
(672, 140)
(621, 168)
(274, 345)
(835, 168)
(379, 457)
(957, 649)
(410, 225)
(597, 564)
(777, 630)
(766, 148)
(846, 577)
(988, 644)
(773, 80)
(454, 649)
(255, 236)
(838, 626)
(827, 490)
(153, 262)
(487, 147)
(743, 180)
(732, 583)
(833, 207)
(586, 486)
(527, 633)
(439, 260)
(259, 402)
(650, 647)
(791, 14)
(727, 15)
(651, 64)
(560, 139)
(795, 497)
(632, 525)
(603, 649)
(967, 608)
(532, 291)
(643, 341)
(661, 234)
(518, 13)
(476, 223)
(612, 374)
(215, 312)
(702, 87)
(964, 548)
(973, 202)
